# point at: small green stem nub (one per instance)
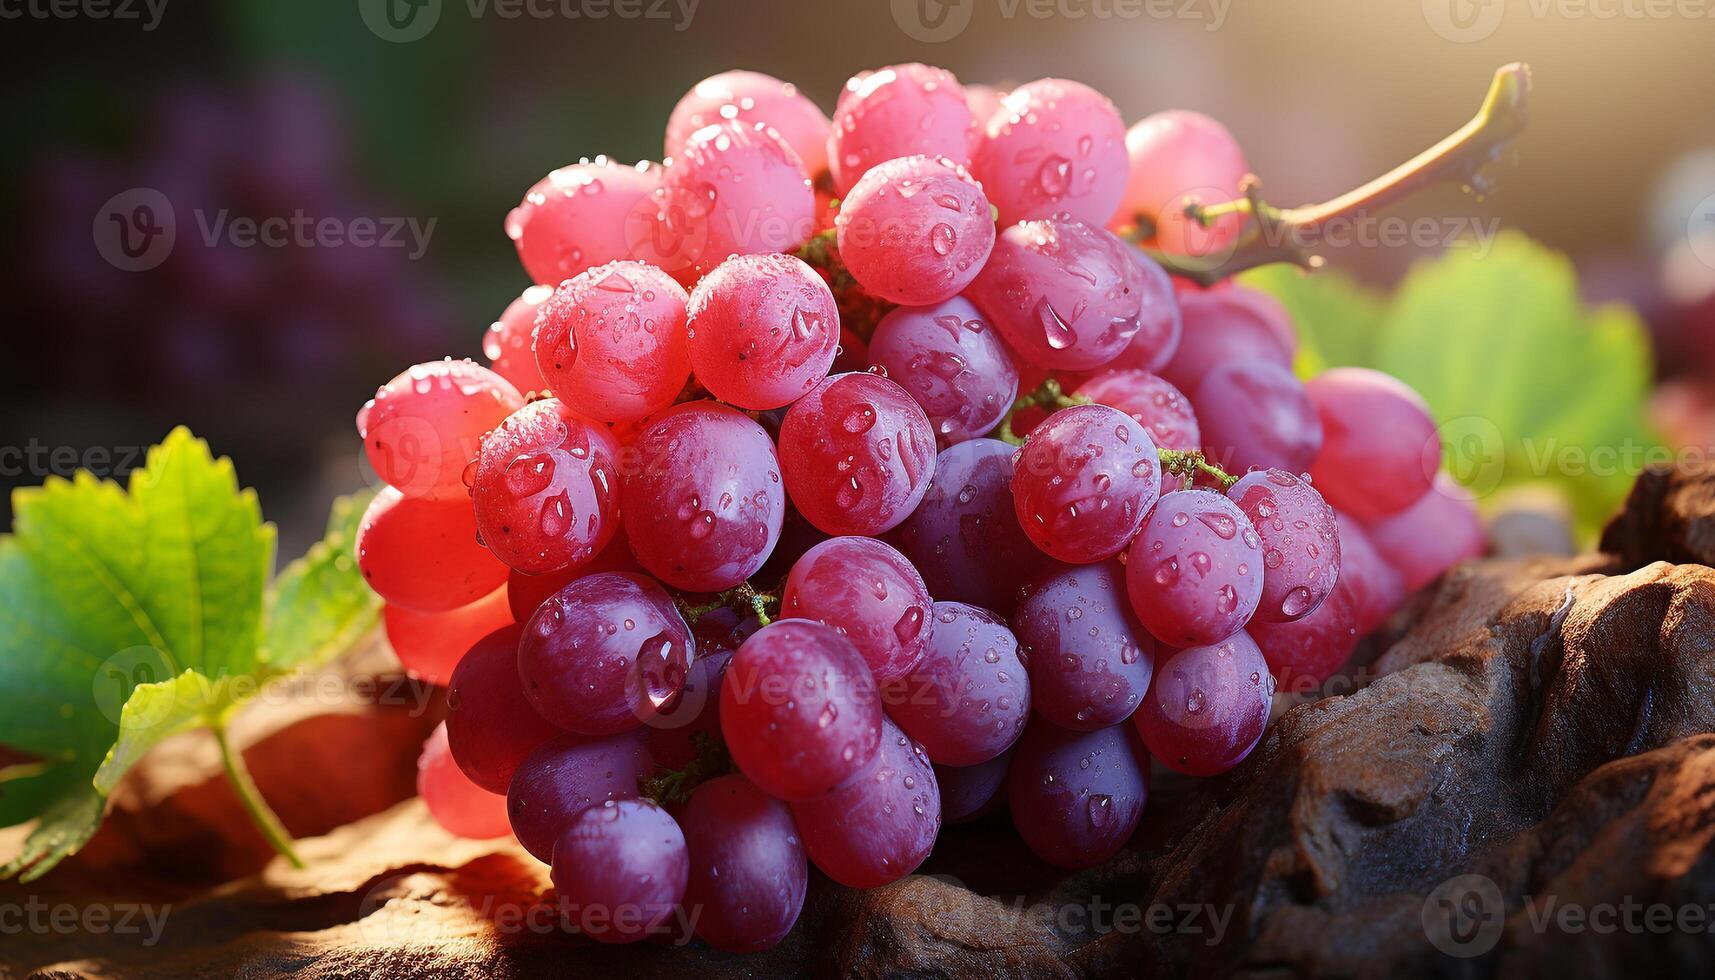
(674, 786)
(263, 817)
(743, 597)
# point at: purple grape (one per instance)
(857, 454)
(671, 735)
(605, 653)
(799, 710)
(748, 871)
(568, 775)
(947, 358)
(969, 792)
(1089, 659)
(967, 699)
(620, 870)
(715, 503)
(965, 537)
(879, 827)
(1076, 796)
(1225, 325)
(1300, 542)
(1084, 482)
(1254, 413)
(1305, 652)
(870, 593)
(1163, 411)
(490, 724)
(1208, 706)
(1195, 572)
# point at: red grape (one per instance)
(575, 218)
(507, 344)
(898, 111)
(1163, 411)
(620, 870)
(424, 554)
(611, 343)
(1054, 147)
(1084, 482)
(1376, 588)
(567, 775)
(868, 592)
(1254, 413)
(546, 488)
(857, 454)
(716, 501)
(1223, 325)
(1432, 535)
(915, 230)
(1380, 448)
(1195, 572)
(949, 360)
(526, 593)
(969, 792)
(1207, 706)
(1178, 157)
(1076, 796)
(735, 189)
(752, 97)
(763, 330)
(422, 427)
(880, 826)
(799, 710)
(672, 734)
(430, 644)
(490, 725)
(605, 653)
(967, 699)
(1088, 657)
(748, 871)
(461, 807)
(1305, 652)
(1300, 542)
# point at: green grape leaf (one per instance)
(130, 614)
(1527, 384)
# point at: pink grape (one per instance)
(915, 230)
(461, 807)
(799, 710)
(898, 111)
(1300, 542)
(970, 792)
(424, 554)
(567, 775)
(575, 218)
(984, 101)
(605, 654)
(526, 593)
(1223, 325)
(611, 343)
(1055, 147)
(430, 644)
(1066, 295)
(735, 189)
(1380, 448)
(1089, 658)
(1195, 572)
(716, 501)
(964, 538)
(951, 362)
(1178, 157)
(1207, 706)
(752, 97)
(1432, 535)
(620, 870)
(490, 725)
(507, 344)
(1305, 652)
(546, 488)
(763, 330)
(868, 592)
(1163, 411)
(967, 700)
(857, 454)
(748, 870)
(1076, 796)
(1084, 482)
(879, 827)
(1376, 588)
(422, 427)
(1255, 413)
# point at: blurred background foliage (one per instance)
(264, 108)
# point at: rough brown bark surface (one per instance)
(1547, 726)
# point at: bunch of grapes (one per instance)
(716, 600)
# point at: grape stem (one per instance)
(1049, 395)
(673, 786)
(1189, 462)
(743, 597)
(260, 814)
(1280, 234)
